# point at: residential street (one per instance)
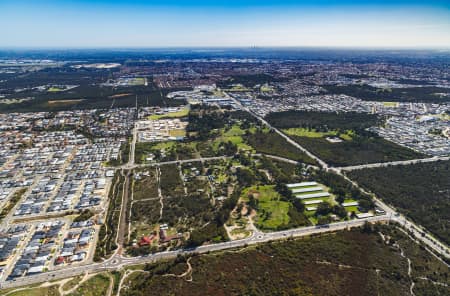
(118, 260)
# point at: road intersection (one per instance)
(117, 260)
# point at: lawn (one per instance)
(351, 208)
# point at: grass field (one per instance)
(54, 89)
(312, 133)
(266, 88)
(390, 104)
(272, 212)
(235, 130)
(237, 88)
(138, 81)
(233, 135)
(164, 145)
(177, 133)
(182, 113)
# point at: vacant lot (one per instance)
(171, 183)
(146, 184)
(421, 191)
(95, 286)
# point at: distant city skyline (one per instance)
(80, 24)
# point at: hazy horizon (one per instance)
(77, 24)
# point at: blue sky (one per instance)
(198, 23)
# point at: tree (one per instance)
(299, 205)
(283, 190)
(339, 211)
(365, 205)
(323, 209)
(340, 199)
(245, 177)
(228, 148)
(322, 220)
(367, 228)
(252, 202)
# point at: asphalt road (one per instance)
(420, 233)
(201, 159)
(385, 164)
(117, 260)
